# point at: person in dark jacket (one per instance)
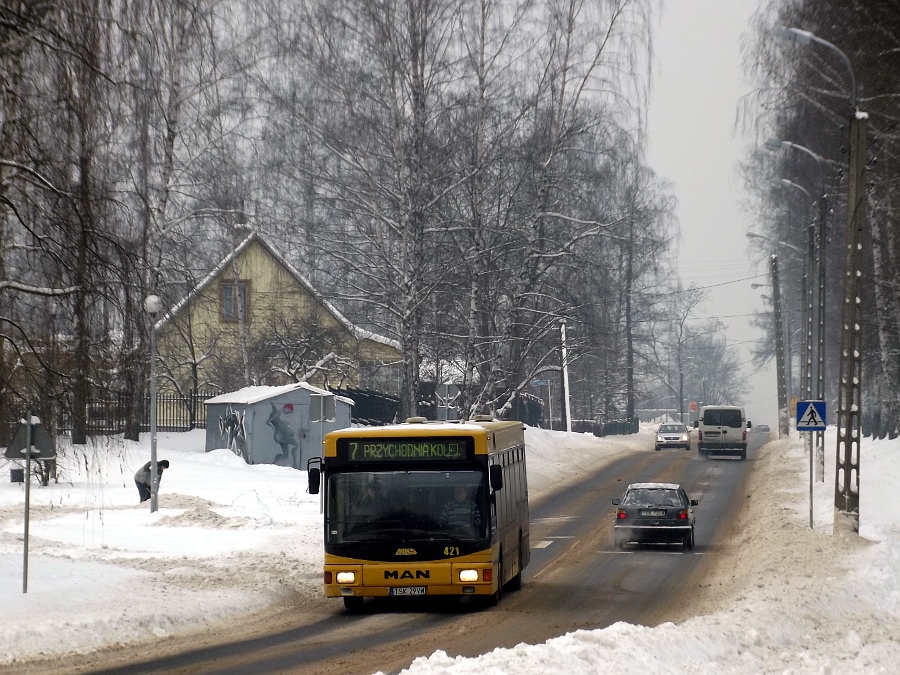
(143, 479)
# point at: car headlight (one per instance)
(468, 576)
(660, 439)
(346, 578)
(684, 437)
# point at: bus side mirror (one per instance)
(314, 480)
(314, 474)
(496, 477)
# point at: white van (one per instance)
(722, 431)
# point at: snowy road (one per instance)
(576, 579)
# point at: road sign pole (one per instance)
(32, 441)
(809, 442)
(811, 417)
(27, 501)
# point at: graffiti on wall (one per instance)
(283, 435)
(233, 432)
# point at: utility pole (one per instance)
(567, 408)
(849, 403)
(820, 348)
(783, 422)
(808, 311)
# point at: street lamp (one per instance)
(849, 400)
(804, 37)
(153, 306)
(784, 315)
(783, 420)
(754, 235)
(782, 342)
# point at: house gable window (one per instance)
(233, 301)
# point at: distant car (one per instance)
(654, 513)
(673, 436)
(762, 428)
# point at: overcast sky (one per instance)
(694, 145)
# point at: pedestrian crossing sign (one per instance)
(810, 415)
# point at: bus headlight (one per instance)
(345, 578)
(468, 576)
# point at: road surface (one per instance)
(576, 579)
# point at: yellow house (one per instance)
(255, 320)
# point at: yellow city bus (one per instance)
(424, 509)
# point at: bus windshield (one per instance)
(405, 506)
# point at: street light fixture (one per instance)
(804, 37)
(153, 306)
(754, 235)
(777, 144)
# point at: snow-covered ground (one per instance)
(231, 539)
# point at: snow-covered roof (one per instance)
(357, 332)
(249, 395)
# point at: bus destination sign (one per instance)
(421, 449)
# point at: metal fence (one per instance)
(109, 415)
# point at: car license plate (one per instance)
(652, 513)
(408, 590)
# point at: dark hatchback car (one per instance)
(654, 513)
(673, 436)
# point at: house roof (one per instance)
(249, 395)
(356, 331)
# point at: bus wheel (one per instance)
(515, 584)
(493, 599)
(353, 603)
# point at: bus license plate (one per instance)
(408, 590)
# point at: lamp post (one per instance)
(567, 406)
(784, 316)
(820, 263)
(784, 428)
(153, 305)
(783, 418)
(849, 400)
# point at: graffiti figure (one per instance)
(231, 428)
(284, 436)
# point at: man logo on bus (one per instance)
(407, 574)
(405, 551)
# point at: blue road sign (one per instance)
(810, 415)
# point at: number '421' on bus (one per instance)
(423, 509)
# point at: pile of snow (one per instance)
(230, 539)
